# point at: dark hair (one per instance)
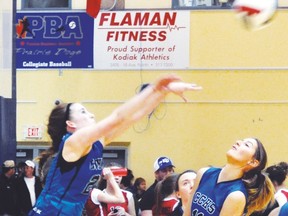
(138, 181)
(177, 181)
(284, 165)
(163, 189)
(56, 129)
(277, 173)
(44, 156)
(57, 124)
(260, 188)
(6, 169)
(127, 180)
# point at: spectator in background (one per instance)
(95, 208)
(139, 188)
(127, 184)
(277, 174)
(165, 196)
(29, 188)
(163, 167)
(98, 196)
(44, 160)
(127, 181)
(20, 169)
(183, 188)
(8, 195)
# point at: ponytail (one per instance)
(163, 189)
(260, 192)
(57, 125)
(56, 129)
(259, 186)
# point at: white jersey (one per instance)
(281, 196)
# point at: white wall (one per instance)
(6, 24)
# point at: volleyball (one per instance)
(255, 14)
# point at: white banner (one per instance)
(141, 40)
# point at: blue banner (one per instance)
(54, 40)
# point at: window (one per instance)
(46, 4)
(202, 4)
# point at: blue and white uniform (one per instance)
(210, 195)
(284, 210)
(68, 184)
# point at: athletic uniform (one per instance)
(68, 184)
(178, 211)
(281, 196)
(94, 208)
(168, 205)
(210, 195)
(284, 210)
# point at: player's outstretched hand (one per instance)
(162, 83)
(173, 83)
(180, 87)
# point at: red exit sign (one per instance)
(33, 132)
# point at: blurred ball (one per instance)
(255, 14)
(72, 25)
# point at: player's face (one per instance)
(242, 151)
(185, 184)
(80, 116)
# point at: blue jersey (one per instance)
(68, 184)
(284, 210)
(210, 195)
